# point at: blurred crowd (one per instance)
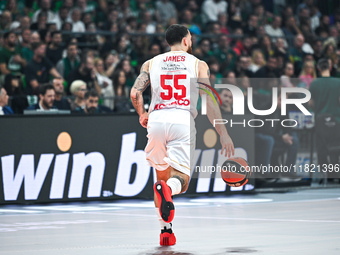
(82, 47)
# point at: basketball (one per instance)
(235, 172)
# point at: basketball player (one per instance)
(170, 120)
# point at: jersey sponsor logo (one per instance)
(174, 59)
(180, 102)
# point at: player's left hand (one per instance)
(143, 119)
(227, 146)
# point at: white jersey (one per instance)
(173, 77)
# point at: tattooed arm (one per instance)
(213, 111)
(141, 83)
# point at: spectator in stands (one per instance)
(66, 26)
(85, 6)
(308, 73)
(70, 62)
(258, 61)
(150, 23)
(252, 25)
(244, 46)
(25, 23)
(214, 65)
(211, 9)
(25, 48)
(35, 37)
(78, 89)
(46, 98)
(92, 104)
(45, 6)
(86, 73)
(11, 62)
(125, 65)
(13, 86)
(291, 28)
(273, 137)
(287, 75)
(41, 23)
(60, 102)
(165, 10)
(39, 69)
(110, 61)
(269, 69)
(61, 17)
(4, 108)
(296, 53)
(243, 83)
(287, 12)
(187, 20)
(281, 48)
(122, 103)
(325, 93)
(307, 5)
(140, 49)
(234, 13)
(243, 66)
(260, 32)
(12, 6)
(154, 50)
(317, 48)
(230, 77)
(112, 18)
(105, 83)
(274, 29)
(55, 50)
(119, 83)
(329, 47)
(324, 25)
(5, 20)
(222, 20)
(225, 54)
(77, 24)
(266, 46)
(87, 19)
(203, 51)
(227, 101)
(215, 30)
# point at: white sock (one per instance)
(161, 221)
(175, 185)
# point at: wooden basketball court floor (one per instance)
(299, 222)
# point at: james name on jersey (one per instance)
(174, 58)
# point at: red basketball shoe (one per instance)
(167, 237)
(166, 206)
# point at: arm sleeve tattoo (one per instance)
(142, 81)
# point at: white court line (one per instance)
(144, 209)
(74, 208)
(230, 218)
(152, 205)
(19, 211)
(230, 200)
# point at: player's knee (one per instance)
(184, 179)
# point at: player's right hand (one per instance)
(143, 119)
(227, 146)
